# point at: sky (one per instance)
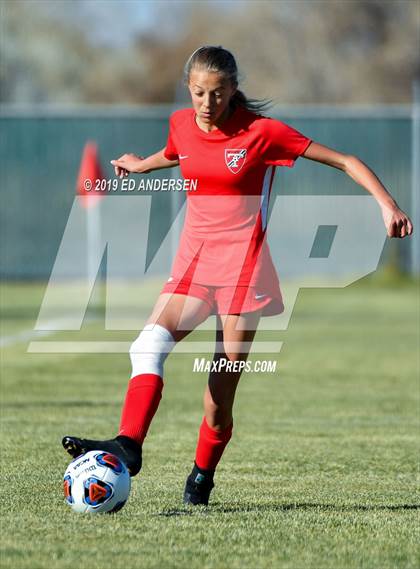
(118, 21)
(107, 21)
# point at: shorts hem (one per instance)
(271, 306)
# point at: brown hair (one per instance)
(216, 59)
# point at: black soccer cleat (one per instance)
(198, 486)
(125, 448)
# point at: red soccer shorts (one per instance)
(229, 299)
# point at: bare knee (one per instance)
(179, 313)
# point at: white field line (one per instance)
(27, 335)
(115, 347)
(100, 347)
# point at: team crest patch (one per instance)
(235, 159)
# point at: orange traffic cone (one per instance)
(89, 172)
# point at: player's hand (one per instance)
(126, 163)
(397, 223)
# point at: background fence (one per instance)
(41, 155)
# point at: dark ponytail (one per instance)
(216, 59)
(239, 99)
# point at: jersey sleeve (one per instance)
(283, 144)
(171, 152)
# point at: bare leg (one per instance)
(178, 313)
(235, 333)
(234, 336)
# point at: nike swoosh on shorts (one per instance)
(260, 296)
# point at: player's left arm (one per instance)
(397, 223)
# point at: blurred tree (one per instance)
(300, 51)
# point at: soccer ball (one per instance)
(96, 482)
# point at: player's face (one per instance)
(210, 94)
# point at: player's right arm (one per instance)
(138, 165)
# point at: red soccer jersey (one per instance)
(223, 239)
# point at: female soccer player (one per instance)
(223, 265)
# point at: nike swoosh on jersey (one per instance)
(260, 296)
(181, 157)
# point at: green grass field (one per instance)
(321, 471)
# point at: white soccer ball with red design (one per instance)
(96, 482)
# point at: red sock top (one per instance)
(211, 444)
